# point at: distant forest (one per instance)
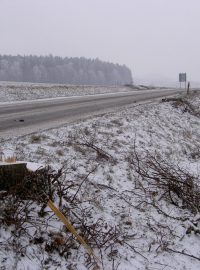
(50, 69)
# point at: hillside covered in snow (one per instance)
(128, 181)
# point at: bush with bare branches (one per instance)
(166, 180)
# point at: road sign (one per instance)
(182, 77)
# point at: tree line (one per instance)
(55, 69)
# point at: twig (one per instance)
(82, 183)
(183, 253)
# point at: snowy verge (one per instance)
(151, 231)
(29, 91)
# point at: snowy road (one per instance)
(22, 117)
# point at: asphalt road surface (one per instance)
(19, 118)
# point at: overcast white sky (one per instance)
(152, 37)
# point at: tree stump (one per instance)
(11, 175)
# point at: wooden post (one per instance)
(11, 174)
(188, 88)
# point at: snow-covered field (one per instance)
(131, 221)
(29, 91)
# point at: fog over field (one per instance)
(156, 39)
(49, 69)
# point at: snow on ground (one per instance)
(29, 91)
(152, 232)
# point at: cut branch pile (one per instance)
(167, 181)
(24, 207)
(183, 104)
